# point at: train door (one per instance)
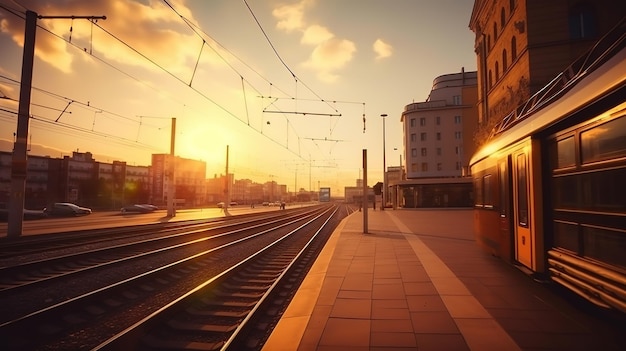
(521, 226)
(504, 208)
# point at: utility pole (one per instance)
(20, 147)
(171, 170)
(364, 199)
(227, 183)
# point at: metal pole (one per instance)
(364, 197)
(382, 205)
(19, 157)
(171, 189)
(227, 183)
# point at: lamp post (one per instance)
(382, 205)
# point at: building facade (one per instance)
(521, 45)
(189, 180)
(438, 143)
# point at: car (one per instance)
(234, 203)
(220, 205)
(66, 209)
(137, 208)
(153, 207)
(27, 214)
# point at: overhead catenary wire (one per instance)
(168, 72)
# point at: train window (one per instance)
(502, 180)
(605, 245)
(522, 191)
(478, 191)
(565, 153)
(604, 142)
(566, 236)
(487, 197)
(604, 190)
(566, 192)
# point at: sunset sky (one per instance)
(284, 83)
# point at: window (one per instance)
(438, 151)
(487, 197)
(456, 100)
(439, 166)
(412, 122)
(504, 63)
(424, 166)
(423, 136)
(457, 119)
(490, 80)
(503, 191)
(422, 121)
(413, 152)
(457, 135)
(513, 49)
(413, 137)
(438, 120)
(438, 136)
(423, 151)
(511, 5)
(565, 153)
(413, 167)
(522, 197)
(581, 22)
(497, 71)
(458, 165)
(502, 18)
(456, 150)
(495, 32)
(604, 142)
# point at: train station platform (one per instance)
(418, 281)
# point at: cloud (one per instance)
(150, 27)
(329, 54)
(314, 35)
(382, 49)
(291, 17)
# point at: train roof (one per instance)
(598, 73)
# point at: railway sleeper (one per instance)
(241, 304)
(257, 274)
(254, 281)
(168, 344)
(234, 293)
(246, 287)
(201, 327)
(212, 313)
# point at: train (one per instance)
(549, 185)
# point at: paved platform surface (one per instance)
(418, 281)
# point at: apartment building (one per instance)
(189, 180)
(438, 142)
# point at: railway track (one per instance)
(149, 242)
(69, 240)
(208, 296)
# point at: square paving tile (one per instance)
(393, 339)
(433, 322)
(346, 332)
(352, 308)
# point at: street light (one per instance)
(382, 207)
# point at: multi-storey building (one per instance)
(521, 45)
(189, 180)
(438, 142)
